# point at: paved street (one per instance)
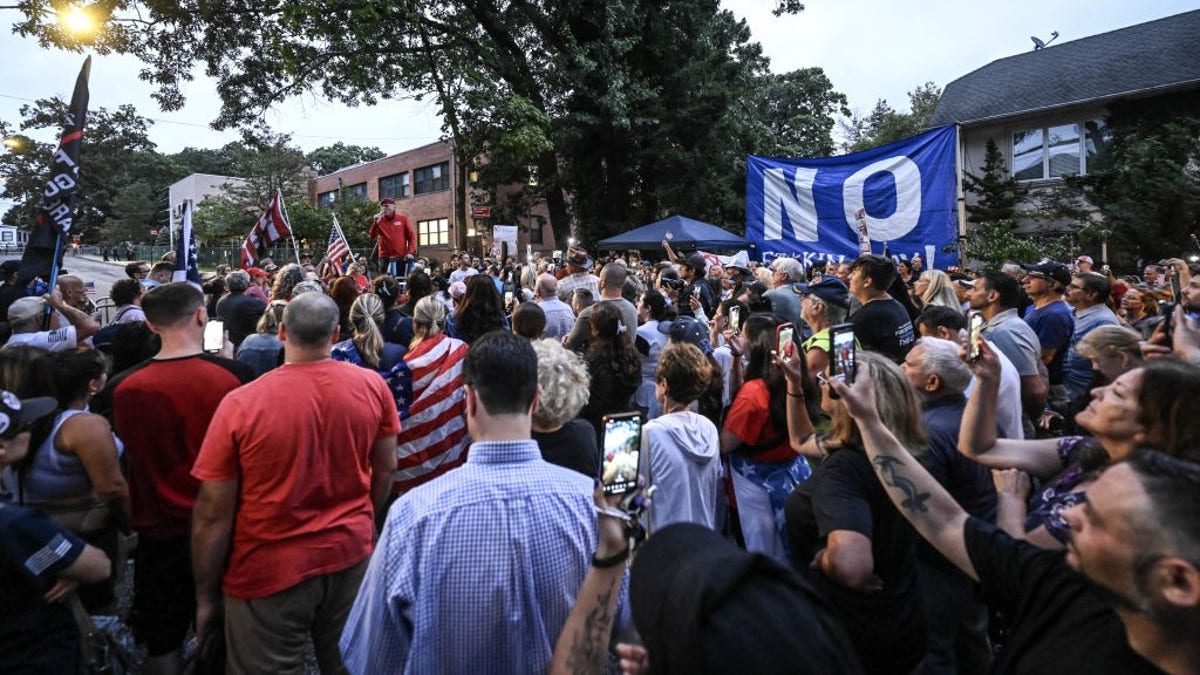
(92, 269)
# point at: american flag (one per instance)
(269, 228)
(338, 248)
(433, 438)
(187, 266)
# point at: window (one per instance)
(432, 178)
(395, 186)
(433, 232)
(356, 191)
(1057, 151)
(535, 229)
(326, 199)
(7, 235)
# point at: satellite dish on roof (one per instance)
(1038, 44)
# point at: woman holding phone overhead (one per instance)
(845, 534)
(1152, 406)
(764, 468)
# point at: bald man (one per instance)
(559, 316)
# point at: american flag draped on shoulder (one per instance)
(337, 249)
(271, 227)
(187, 266)
(43, 253)
(433, 436)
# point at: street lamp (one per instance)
(83, 22)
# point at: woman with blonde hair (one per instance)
(845, 534)
(563, 437)
(934, 287)
(367, 348)
(433, 436)
(1113, 350)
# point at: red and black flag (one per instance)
(43, 254)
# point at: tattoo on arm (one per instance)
(590, 646)
(889, 470)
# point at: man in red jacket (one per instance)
(394, 236)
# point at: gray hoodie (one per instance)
(681, 457)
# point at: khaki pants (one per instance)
(268, 635)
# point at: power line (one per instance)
(313, 136)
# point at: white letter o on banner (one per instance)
(907, 177)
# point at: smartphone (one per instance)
(214, 336)
(783, 340)
(842, 362)
(735, 318)
(621, 444)
(974, 333)
(508, 295)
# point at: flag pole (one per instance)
(292, 234)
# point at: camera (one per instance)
(674, 284)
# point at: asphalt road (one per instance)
(92, 269)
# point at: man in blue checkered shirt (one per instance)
(476, 571)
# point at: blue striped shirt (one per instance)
(476, 571)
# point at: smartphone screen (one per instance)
(735, 318)
(783, 340)
(622, 446)
(974, 333)
(214, 336)
(842, 360)
(507, 298)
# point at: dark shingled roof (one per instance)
(1160, 54)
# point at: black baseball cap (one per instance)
(829, 289)
(1049, 269)
(17, 414)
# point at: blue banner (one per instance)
(813, 208)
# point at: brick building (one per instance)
(424, 183)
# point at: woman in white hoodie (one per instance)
(681, 449)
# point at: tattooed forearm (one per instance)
(889, 470)
(589, 648)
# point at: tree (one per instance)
(118, 154)
(330, 158)
(1142, 194)
(997, 192)
(996, 214)
(885, 125)
(630, 107)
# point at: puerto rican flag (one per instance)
(433, 438)
(271, 227)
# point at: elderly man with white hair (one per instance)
(957, 629)
(784, 300)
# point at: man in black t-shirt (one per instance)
(881, 324)
(1130, 576)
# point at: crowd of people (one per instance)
(997, 472)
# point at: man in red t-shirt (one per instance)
(294, 467)
(161, 410)
(394, 236)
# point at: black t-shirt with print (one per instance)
(884, 326)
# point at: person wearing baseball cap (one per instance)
(25, 319)
(394, 237)
(693, 271)
(1051, 319)
(824, 303)
(1084, 263)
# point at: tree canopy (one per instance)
(623, 110)
(885, 125)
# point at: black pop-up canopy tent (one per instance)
(683, 233)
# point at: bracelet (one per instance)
(617, 559)
(800, 395)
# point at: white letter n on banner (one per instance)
(779, 198)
